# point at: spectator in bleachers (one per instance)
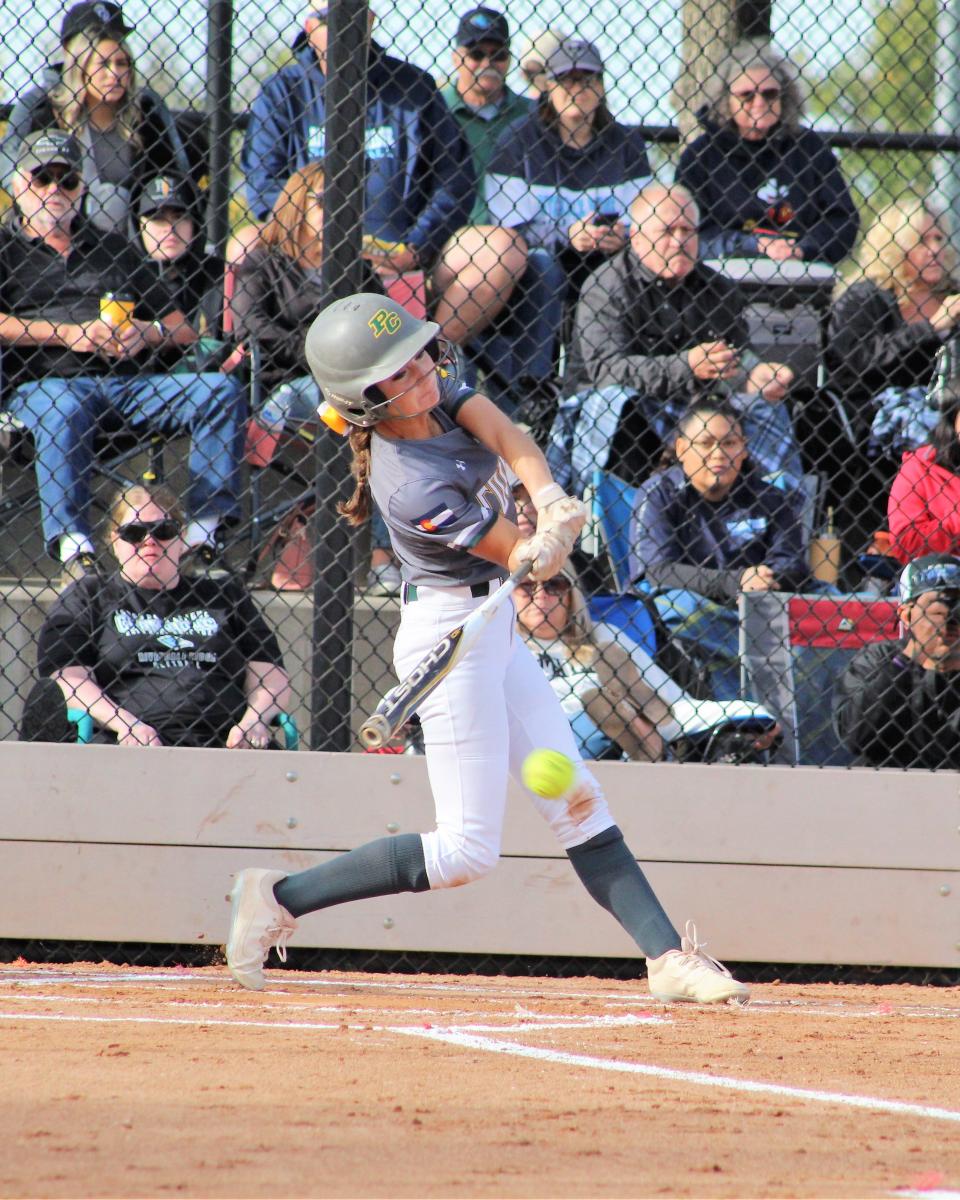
(420, 180)
(898, 703)
(515, 352)
(619, 702)
(533, 53)
(709, 523)
(889, 320)
(278, 291)
(126, 133)
(173, 242)
(564, 177)
(923, 510)
(67, 369)
(654, 329)
(764, 185)
(478, 95)
(157, 659)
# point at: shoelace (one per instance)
(276, 935)
(690, 946)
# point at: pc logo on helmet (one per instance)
(384, 321)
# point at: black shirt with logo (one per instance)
(176, 658)
(37, 282)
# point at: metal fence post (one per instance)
(345, 105)
(219, 91)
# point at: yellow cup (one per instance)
(116, 311)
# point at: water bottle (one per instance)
(265, 430)
(943, 369)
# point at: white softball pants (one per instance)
(479, 725)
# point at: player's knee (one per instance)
(462, 860)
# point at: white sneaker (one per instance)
(700, 716)
(689, 974)
(257, 922)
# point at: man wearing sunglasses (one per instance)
(478, 95)
(69, 373)
(898, 703)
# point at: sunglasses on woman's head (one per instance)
(136, 532)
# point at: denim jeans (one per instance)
(521, 341)
(63, 415)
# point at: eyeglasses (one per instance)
(476, 55)
(558, 586)
(136, 532)
(768, 95)
(730, 444)
(68, 181)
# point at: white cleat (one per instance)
(690, 975)
(257, 922)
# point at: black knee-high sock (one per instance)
(381, 868)
(611, 875)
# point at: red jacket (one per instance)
(923, 510)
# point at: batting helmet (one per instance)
(355, 343)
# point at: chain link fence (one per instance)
(705, 255)
(147, 955)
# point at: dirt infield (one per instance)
(121, 1082)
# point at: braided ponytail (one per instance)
(356, 510)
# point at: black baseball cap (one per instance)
(44, 147)
(483, 25)
(101, 15)
(931, 573)
(165, 192)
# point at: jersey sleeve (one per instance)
(441, 513)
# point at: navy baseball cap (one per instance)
(101, 15)
(931, 573)
(483, 25)
(165, 192)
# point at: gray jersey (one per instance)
(439, 496)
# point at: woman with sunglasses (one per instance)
(765, 186)
(156, 659)
(127, 133)
(433, 455)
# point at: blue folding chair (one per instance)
(609, 501)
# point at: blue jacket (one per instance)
(680, 540)
(788, 182)
(420, 177)
(537, 184)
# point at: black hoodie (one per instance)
(788, 183)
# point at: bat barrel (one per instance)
(375, 731)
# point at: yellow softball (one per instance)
(548, 773)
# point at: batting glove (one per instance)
(559, 513)
(546, 551)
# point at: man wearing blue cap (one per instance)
(898, 703)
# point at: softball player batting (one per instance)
(432, 454)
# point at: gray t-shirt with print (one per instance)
(439, 496)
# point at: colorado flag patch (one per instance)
(435, 519)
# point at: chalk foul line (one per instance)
(470, 1041)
